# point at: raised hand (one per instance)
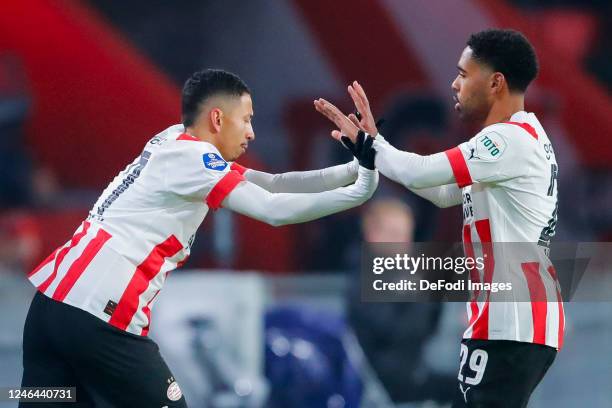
(362, 149)
(366, 121)
(345, 125)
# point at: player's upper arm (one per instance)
(497, 153)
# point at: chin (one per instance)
(234, 157)
(469, 116)
(464, 117)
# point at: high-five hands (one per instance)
(351, 124)
(362, 149)
(345, 126)
(366, 121)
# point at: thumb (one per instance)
(336, 134)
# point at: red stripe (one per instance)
(459, 166)
(527, 127)
(185, 136)
(223, 188)
(147, 311)
(45, 262)
(483, 228)
(240, 169)
(469, 252)
(553, 273)
(76, 238)
(80, 264)
(537, 291)
(147, 270)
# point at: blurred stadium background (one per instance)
(263, 316)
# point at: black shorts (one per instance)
(500, 373)
(66, 346)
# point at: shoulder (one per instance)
(514, 132)
(186, 151)
(500, 140)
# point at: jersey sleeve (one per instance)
(311, 181)
(198, 172)
(493, 155)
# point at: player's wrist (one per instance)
(353, 166)
(367, 181)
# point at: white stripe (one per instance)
(139, 320)
(517, 327)
(552, 308)
(106, 270)
(43, 273)
(69, 259)
(468, 332)
(437, 33)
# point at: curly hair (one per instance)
(508, 52)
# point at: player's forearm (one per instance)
(410, 169)
(313, 181)
(442, 196)
(292, 208)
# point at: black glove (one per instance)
(362, 149)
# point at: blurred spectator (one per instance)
(393, 335)
(599, 62)
(15, 165)
(22, 183)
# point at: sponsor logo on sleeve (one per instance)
(174, 392)
(213, 161)
(490, 146)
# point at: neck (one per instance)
(502, 110)
(202, 134)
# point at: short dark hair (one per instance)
(203, 84)
(508, 52)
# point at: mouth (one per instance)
(457, 104)
(244, 146)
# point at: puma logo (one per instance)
(464, 392)
(471, 154)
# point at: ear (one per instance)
(216, 119)
(498, 82)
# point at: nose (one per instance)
(250, 135)
(455, 84)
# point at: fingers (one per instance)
(322, 104)
(328, 110)
(343, 123)
(354, 119)
(336, 134)
(361, 93)
(357, 100)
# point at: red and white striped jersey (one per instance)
(508, 174)
(140, 229)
